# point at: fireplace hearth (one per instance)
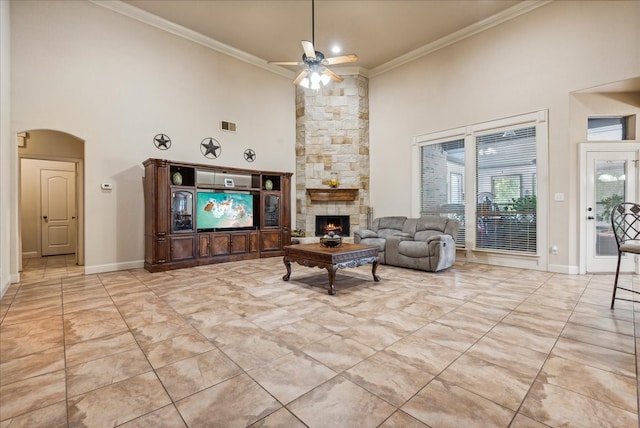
(339, 224)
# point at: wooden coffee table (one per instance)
(332, 259)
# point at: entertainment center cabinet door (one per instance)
(183, 247)
(239, 243)
(221, 243)
(182, 220)
(204, 245)
(156, 249)
(270, 210)
(270, 240)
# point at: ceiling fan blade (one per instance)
(309, 50)
(333, 75)
(301, 76)
(340, 59)
(286, 62)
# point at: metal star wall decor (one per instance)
(162, 141)
(249, 155)
(210, 148)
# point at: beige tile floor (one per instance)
(232, 345)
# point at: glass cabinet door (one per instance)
(271, 214)
(181, 210)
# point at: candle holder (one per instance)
(333, 181)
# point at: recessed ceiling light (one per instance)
(336, 49)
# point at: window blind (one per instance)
(506, 190)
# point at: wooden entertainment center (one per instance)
(177, 208)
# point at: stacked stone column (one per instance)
(332, 135)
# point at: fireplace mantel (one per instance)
(331, 194)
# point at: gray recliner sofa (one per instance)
(425, 243)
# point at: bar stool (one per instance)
(625, 220)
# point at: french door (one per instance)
(611, 176)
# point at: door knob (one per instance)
(45, 218)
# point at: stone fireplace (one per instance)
(332, 136)
(338, 224)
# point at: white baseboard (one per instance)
(30, 255)
(112, 267)
(523, 263)
(6, 282)
(568, 270)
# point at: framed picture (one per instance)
(228, 182)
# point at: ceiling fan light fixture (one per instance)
(316, 73)
(315, 77)
(314, 80)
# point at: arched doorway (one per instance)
(51, 161)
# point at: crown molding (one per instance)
(352, 70)
(178, 30)
(492, 21)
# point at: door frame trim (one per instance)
(584, 148)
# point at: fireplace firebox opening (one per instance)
(338, 224)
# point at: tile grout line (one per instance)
(478, 340)
(64, 347)
(153, 369)
(573, 310)
(141, 281)
(549, 355)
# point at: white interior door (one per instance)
(58, 212)
(612, 177)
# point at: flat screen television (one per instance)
(220, 210)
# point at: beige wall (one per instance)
(51, 144)
(531, 63)
(115, 83)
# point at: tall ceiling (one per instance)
(378, 31)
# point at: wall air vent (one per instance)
(228, 126)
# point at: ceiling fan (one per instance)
(316, 72)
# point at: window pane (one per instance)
(456, 188)
(442, 167)
(609, 191)
(506, 189)
(606, 129)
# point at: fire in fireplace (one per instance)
(339, 224)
